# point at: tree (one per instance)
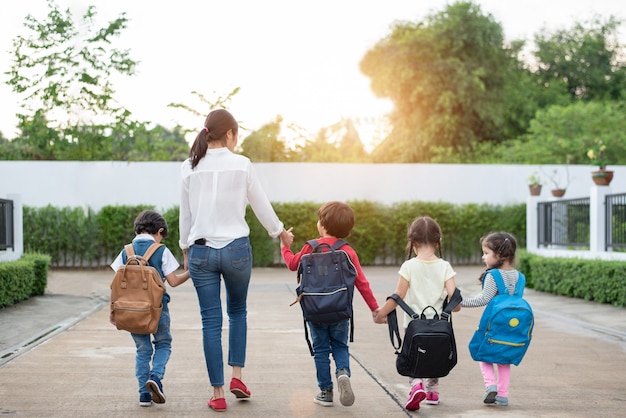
(564, 134)
(60, 69)
(264, 144)
(63, 76)
(447, 78)
(583, 60)
(339, 142)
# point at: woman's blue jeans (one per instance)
(207, 266)
(162, 340)
(330, 339)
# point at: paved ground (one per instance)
(59, 357)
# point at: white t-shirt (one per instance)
(168, 262)
(426, 285)
(214, 196)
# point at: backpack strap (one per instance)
(145, 258)
(406, 308)
(151, 250)
(502, 290)
(338, 244)
(314, 244)
(392, 321)
(448, 307)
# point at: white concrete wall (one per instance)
(101, 183)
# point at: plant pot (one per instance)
(534, 189)
(558, 192)
(602, 177)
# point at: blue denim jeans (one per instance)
(162, 340)
(207, 267)
(330, 339)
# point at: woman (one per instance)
(217, 185)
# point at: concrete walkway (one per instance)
(59, 357)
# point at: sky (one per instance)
(297, 59)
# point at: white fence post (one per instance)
(532, 236)
(597, 218)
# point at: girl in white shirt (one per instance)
(425, 280)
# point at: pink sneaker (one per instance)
(432, 398)
(416, 396)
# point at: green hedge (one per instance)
(78, 237)
(594, 280)
(23, 278)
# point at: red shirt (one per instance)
(361, 283)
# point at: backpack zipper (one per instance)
(493, 341)
(343, 289)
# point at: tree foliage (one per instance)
(564, 134)
(59, 69)
(62, 72)
(461, 94)
(583, 60)
(446, 77)
(264, 144)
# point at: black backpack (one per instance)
(326, 276)
(429, 348)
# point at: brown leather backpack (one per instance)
(136, 293)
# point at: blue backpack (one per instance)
(506, 326)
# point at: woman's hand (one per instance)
(286, 238)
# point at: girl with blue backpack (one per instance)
(506, 325)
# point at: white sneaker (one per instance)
(346, 396)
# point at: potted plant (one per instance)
(559, 190)
(598, 156)
(534, 184)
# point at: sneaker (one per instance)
(490, 394)
(502, 401)
(416, 396)
(154, 386)
(324, 398)
(432, 398)
(346, 396)
(145, 399)
(238, 388)
(218, 404)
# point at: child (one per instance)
(498, 252)
(151, 227)
(335, 221)
(425, 280)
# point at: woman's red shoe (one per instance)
(218, 404)
(238, 389)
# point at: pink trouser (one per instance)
(431, 384)
(501, 381)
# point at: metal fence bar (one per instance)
(6, 224)
(564, 223)
(615, 206)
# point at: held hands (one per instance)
(286, 238)
(378, 318)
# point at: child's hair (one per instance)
(149, 221)
(423, 231)
(217, 123)
(502, 244)
(337, 218)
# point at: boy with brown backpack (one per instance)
(134, 308)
